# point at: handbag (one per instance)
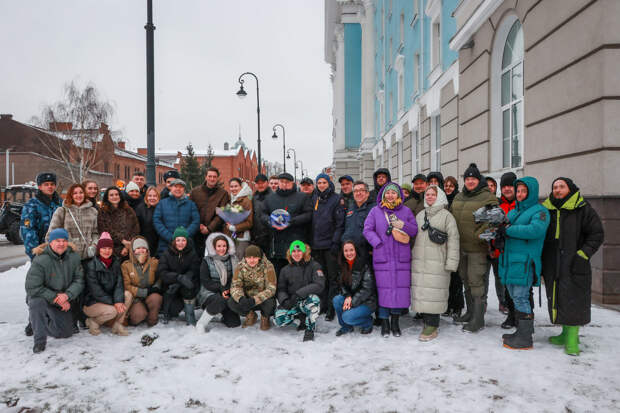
(398, 234)
(435, 235)
(91, 250)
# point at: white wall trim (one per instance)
(432, 97)
(471, 26)
(433, 9)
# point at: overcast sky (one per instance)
(201, 48)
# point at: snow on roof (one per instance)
(133, 155)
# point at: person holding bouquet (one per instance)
(238, 217)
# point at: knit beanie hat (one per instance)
(105, 241)
(253, 251)
(419, 176)
(569, 182)
(180, 232)
(139, 243)
(472, 172)
(59, 233)
(507, 179)
(322, 176)
(132, 186)
(297, 245)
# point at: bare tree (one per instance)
(74, 128)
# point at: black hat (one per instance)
(436, 175)
(419, 176)
(346, 178)
(261, 178)
(306, 180)
(472, 172)
(287, 176)
(569, 182)
(507, 179)
(172, 174)
(46, 177)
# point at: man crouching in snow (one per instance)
(299, 286)
(54, 279)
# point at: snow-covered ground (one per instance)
(248, 370)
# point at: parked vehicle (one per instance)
(15, 197)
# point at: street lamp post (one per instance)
(242, 93)
(288, 155)
(275, 136)
(150, 97)
(301, 168)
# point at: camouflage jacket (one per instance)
(35, 220)
(258, 282)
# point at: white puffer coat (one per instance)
(433, 263)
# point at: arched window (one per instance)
(507, 96)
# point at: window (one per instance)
(416, 73)
(512, 97)
(106, 167)
(401, 92)
(402, 29)
(117, 171)
(436, 44)
(417, 154)
(391, 107)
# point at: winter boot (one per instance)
(93, 327)
(250, 320)
(385, 327)
(118, 329)
(366, 330)
(190, 314)
(38, 348)
(429, 333)
(166, 309)
(28, 330)
(330, 315)
(264, 323)
(302, 322)
(465, 318)
(571, 346)
(395, 327)
(561, 339)
(522, 340)
(203, 321)
(477, 319)
(510, 321)
(309, 335)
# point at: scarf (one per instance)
(558, 203)
(391, 205)
(106, 261)
(350, 263)
(223, 264)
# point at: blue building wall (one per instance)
(353, 84)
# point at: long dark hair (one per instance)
(106, 198)
(345, 272)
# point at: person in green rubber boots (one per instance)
(574, 235)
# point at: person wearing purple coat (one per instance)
(391, 258)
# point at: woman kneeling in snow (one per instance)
(216, 274)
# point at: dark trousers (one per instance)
(49, 320)
(431, 320)
(266, 308)
(278, 264)
(174, 296)
(216, 304)
(456, 301)
(329, 265)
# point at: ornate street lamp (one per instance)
(275, 136)
(242, 94)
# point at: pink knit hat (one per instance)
(105, 241)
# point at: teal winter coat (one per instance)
(525, 237)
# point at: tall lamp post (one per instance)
(150, 97)
(301, 168)
(275, 136)
(242, 93)
(288, 156)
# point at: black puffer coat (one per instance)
(261, 233)
(173, 263)
(363, 287)
(301, 278)
(375, 191)
(327, 219)
(104, 285)
(574, 227)
(144, 214)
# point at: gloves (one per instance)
(246, 304)
(142, 292)
(173, 288)
(154, 289)
(185, 280)
(287, 304)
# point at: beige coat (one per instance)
(85, 217)
(433, 263)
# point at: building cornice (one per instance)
(433, 9)
(471, 26)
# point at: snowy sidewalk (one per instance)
(245, 370)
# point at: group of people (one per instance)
(364, 256)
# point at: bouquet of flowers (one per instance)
(232, 214)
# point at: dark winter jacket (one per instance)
(362, 289)
(172, 213)
(524, 238)
(463, 208)
(575, 233)
(207, 199)
(374, 192)
(120, 222)
(261, 233)
(50, 274)
(35, 219)
(173, 263)
(145, 213)
(415, 203)
(354, 224)
(300, 278)
(349, 201)
(165, 193)
(104, 285)
(298, 206)
(133, 202)
(327, 219)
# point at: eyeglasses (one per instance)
(359, 191)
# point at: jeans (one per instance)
(355, 316)
(520, 295)
(384, 313)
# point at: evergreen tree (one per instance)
(208, 162)
(190, 169)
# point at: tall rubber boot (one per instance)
(522, 340)
(190, 315)
(203, 321)
(477, 319)
(571, 347)
(165, 308)
(561, 339)
(465, 318)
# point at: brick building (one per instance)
(28, 155)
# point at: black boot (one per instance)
(165, 309)
(329, 316)
(385, 327)
(465, 318)
(522, 339)
(477, 319)
(28, 330)
(302, 322)
(510, 321)
(395, 326)
(309, 335)
(38, 348)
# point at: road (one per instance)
(11, 255)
